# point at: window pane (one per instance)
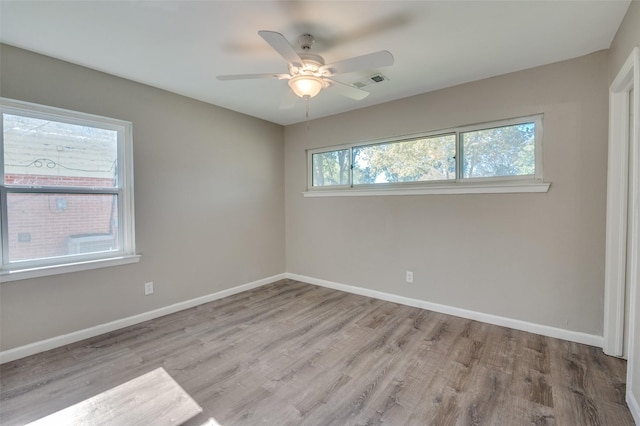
(502, 151)
(42, 152)
(330, 168)
(52, 225)
(417, 160)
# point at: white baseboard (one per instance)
(76, 336)
(65, 339)
(544, 330)
(632, 403)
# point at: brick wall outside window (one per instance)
(42, 225)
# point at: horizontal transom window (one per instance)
(504, 152)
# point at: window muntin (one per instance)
(65, 189)
(502, 152)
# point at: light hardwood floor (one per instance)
(292, 353)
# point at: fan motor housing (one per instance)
(311, 62)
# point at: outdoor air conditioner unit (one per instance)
(89, 243)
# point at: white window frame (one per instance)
(459, 185)
(11, 271)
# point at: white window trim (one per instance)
(127, 254)
(453, 188)
(497, 185)
(65, 268)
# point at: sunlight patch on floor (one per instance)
(153, 398)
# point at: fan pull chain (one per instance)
(306, 98)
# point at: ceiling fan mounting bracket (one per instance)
(305, 41)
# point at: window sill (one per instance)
(457, 188)
(43, 271)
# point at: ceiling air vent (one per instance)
(372, 79)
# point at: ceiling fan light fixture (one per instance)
(306, 85)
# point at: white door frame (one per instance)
(621, 171)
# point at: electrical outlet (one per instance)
(409, 277)
(148, 288)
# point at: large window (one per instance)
(66, 190)
(505, 154)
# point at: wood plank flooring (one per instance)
(153, 398)
(295, 354)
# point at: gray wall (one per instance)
(532, 257)
(208, 193)
(626, 39)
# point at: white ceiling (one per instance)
(181, 46)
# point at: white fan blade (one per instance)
(282, 46)
(347, 90)
(360, 63)
(289, 100)
(248, 76)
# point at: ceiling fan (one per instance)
(308, 73)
